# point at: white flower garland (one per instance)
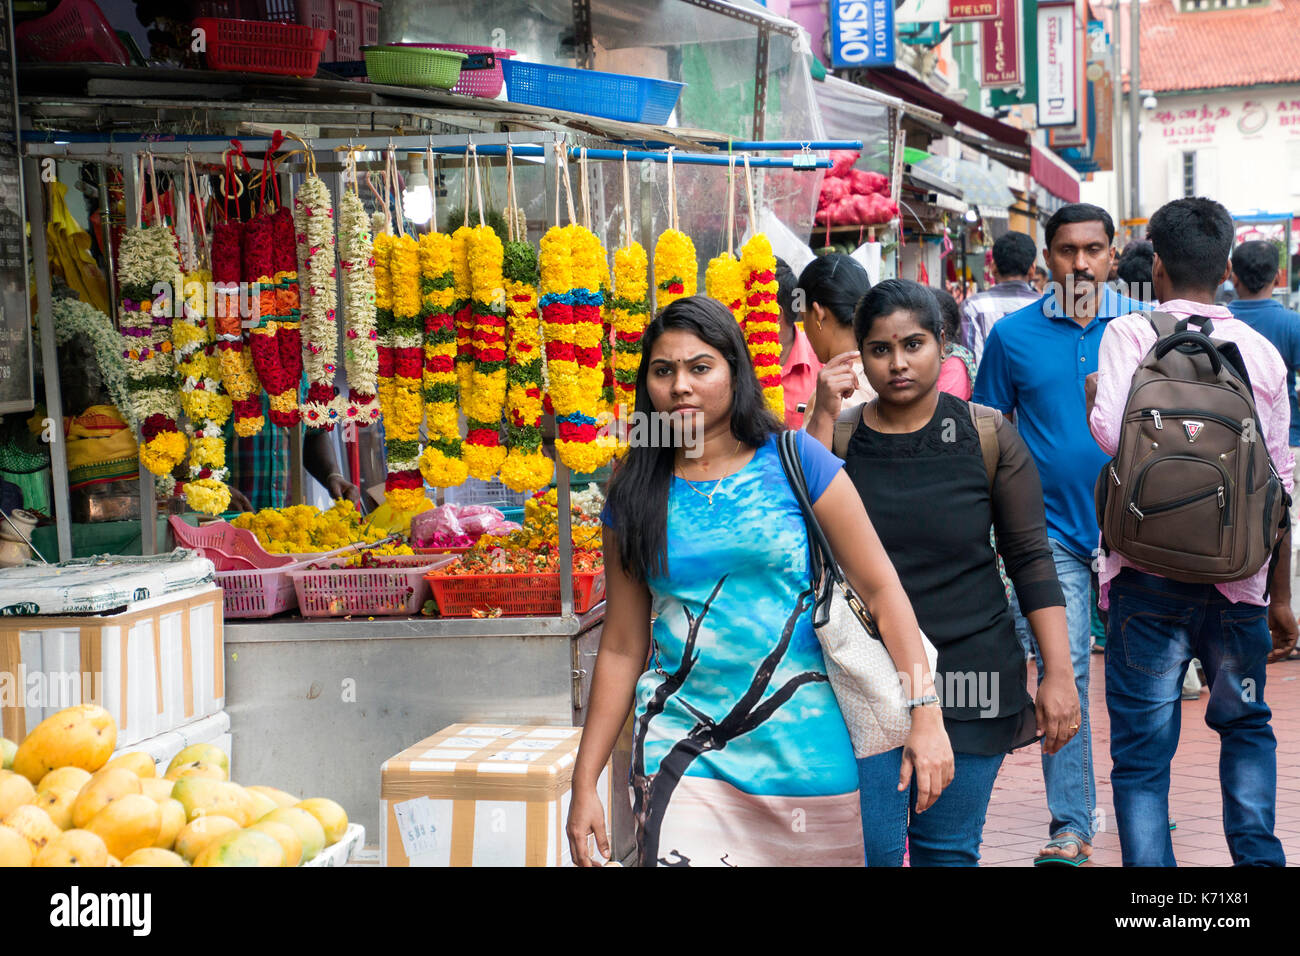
(314, 226)
(360, 350)
(74, 319)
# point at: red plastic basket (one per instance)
(227, 547)
(355, 22)
(517, 595)
(377, 592)
(76, 32)
(482, 83)
(251, 46)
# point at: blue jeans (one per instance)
(948, 834)
(1156, 627)
(1067, 774)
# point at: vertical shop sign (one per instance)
(1000, 49)
(1057, 65)
(862, 33)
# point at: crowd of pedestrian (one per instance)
(962, 460)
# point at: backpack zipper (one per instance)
(1140, 480)
(1155, 414)
(1191, 499)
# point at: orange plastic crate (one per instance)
(517, 595)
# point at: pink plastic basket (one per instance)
(355, 22)
(377, 592)
(257, 593)
(482, 83)
(227, 547)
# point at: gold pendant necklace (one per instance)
(718, 484)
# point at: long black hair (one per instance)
(638, 491)
(898, 295)
(837, 282)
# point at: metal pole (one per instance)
(1135, 106)
(1117, 108)
(565, 529)
(31, 180)
(131, 187)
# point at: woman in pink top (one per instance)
(799, 362)
(957, 373)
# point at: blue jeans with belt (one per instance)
(947, 834)
(1067, 774)
(1156, 626)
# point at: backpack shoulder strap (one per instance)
(845, 424)
(986, 421)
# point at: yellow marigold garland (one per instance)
(205, 404)
(676, 272)
(526, 468)
(762, 323)
(464, 308)
(724, 280)
(404, 487)
(630, 311)
(482, 448)
(441, 462)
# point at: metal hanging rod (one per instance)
(769, 145)
(637, 156)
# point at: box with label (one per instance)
(482, 795)
(155, 665)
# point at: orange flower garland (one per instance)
(762, 322)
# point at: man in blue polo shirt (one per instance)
(1256, 272)
(1035, 364)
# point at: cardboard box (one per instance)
(482, 795)
(154, 666)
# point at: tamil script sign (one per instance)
(862, 33)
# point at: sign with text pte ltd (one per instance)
(862, 33)
(962, 11)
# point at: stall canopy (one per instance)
(850, 111)
(1054, 175)
(979, 186)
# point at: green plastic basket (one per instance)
(413, 66)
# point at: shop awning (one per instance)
(1053, 175)
(895, 82)
(979, 186)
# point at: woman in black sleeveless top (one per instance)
(915, 458)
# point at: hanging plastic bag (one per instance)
(868, 254)
(785, 243)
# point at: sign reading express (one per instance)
(1057, 68)
(862, 33)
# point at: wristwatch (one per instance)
(925, 701)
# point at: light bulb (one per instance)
(417, 199)
(972, 214)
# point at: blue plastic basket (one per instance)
(616, 96)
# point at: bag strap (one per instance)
(846, 423)
(986, 421)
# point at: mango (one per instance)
(332, 817)
(113, 861)
(15, 791)
(261, 804)
(58, 804)
(156, 788)
(83, 736)
(281, 798)
(242, 848)
(33, 824)
(197, 834)
(153, 856)
(210, 771)
(128, 824)
(7, 750)
(203, 797)
(14, 848)
(284, 835)
(74, 848)
(172, 816)
(65, 778)
(308, 828)
(200, 753)
(111, 783)
(138, 762)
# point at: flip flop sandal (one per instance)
(1059, 843)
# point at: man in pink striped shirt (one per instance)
(1157, 625)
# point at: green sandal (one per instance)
(1059, 843)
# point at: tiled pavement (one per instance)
(1017, 822)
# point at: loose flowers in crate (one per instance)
(149, 260)
(441, 462)
(302, 529)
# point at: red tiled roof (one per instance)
(1217, 48)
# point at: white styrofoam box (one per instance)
(214, 729)
(100, 585)
(154, 666)
(338, 855)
